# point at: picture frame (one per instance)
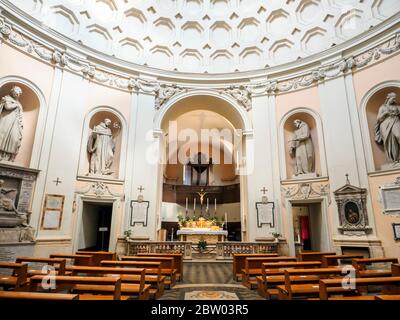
(139, 212)
(52, 212)
(396, 231)
(265, 214)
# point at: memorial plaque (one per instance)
(391, 199)
(139, 212)
(265, 213)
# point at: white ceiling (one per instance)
(210, 36)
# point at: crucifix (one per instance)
(264, 190)
(140, 189)
(58, 181)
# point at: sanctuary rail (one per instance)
(224, 250)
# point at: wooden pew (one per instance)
(239, 261)
(152, 267)
(19, 277)
(252, 268)
(332, 260)
(98, 256)
(134, 280)
(313, 256)
(272, 274)
(178, 261)
(290, 290)
(77, 259)
(360, 265)
(391, 284)
(12, 295)
(90, 288)
(57, 263)
(395, 270)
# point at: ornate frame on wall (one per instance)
(50, 208)
(352, 209)
(260, 223)
(143, 221)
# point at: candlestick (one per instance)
(186, 204)
(215, 205)
(207, 203)
(194, 205)
(226, 217)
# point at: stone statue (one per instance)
(101, 147)
(387, 128)
(301, 147)
(11, 125)
(9, 216)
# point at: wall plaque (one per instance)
(265, 213)
(139, 212)
(391, 197)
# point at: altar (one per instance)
(194, 235)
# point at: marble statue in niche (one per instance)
(387, 128)
(302, 149)
(11, 124)
(101, 148)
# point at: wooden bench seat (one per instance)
(387, 284)
(311, 288)
(127, 275)
(252, 268)
(77, 259)
(313, 256)
(129, 290)
(333, 260)
(13, 295)
(238, 262)
(18, 279)
(58, 264)
(303, 290)
(152, 268)
(98, 256)
(360, 265)
(178, 261)
(99, 285)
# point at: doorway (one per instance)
(95, 230)
(309, 227)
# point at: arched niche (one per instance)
(31, 101)
(287, 129)
(370, 105)
(118, 129)
(223, 169)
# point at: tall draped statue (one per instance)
(11, 125)
(301, 147)
(101, 147)
(387, 128)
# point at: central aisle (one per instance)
(209, 281)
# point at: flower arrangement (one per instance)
(276, 236)
(202, 244)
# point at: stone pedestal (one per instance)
(10, 251)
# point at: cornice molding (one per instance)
(368, 50)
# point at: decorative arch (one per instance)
(121, 143)
(368, 110)
(38, 125)
(246, 124)
(306, 114)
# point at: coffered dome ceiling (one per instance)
(210, 36)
